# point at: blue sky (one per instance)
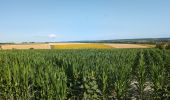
(72, 20)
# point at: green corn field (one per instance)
(85, 74)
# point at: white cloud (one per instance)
(52, 35)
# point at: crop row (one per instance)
(85, 74)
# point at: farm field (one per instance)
(26, 46)
(97, 45)
(80, 46)
(85, 74)
(130, 45)
(73, 46)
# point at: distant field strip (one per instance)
(26, 46)
(80, 46)
(129, 46)
(74, 46)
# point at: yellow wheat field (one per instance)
(81, 46)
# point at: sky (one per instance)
(74, 20)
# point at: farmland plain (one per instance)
(74, 46)
(83, 74)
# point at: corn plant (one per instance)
(141, 76)
(83, 74)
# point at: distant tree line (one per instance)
(131, 41)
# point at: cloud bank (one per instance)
(52, 36)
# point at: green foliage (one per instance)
(168, 46)
(91, 87)
(141, 75)
(83, 74)
(163, 45)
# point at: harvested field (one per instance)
(129, 46)
(26, 46)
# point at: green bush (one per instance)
(168, 46)
(161, 45)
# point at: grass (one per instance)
(80, 46)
